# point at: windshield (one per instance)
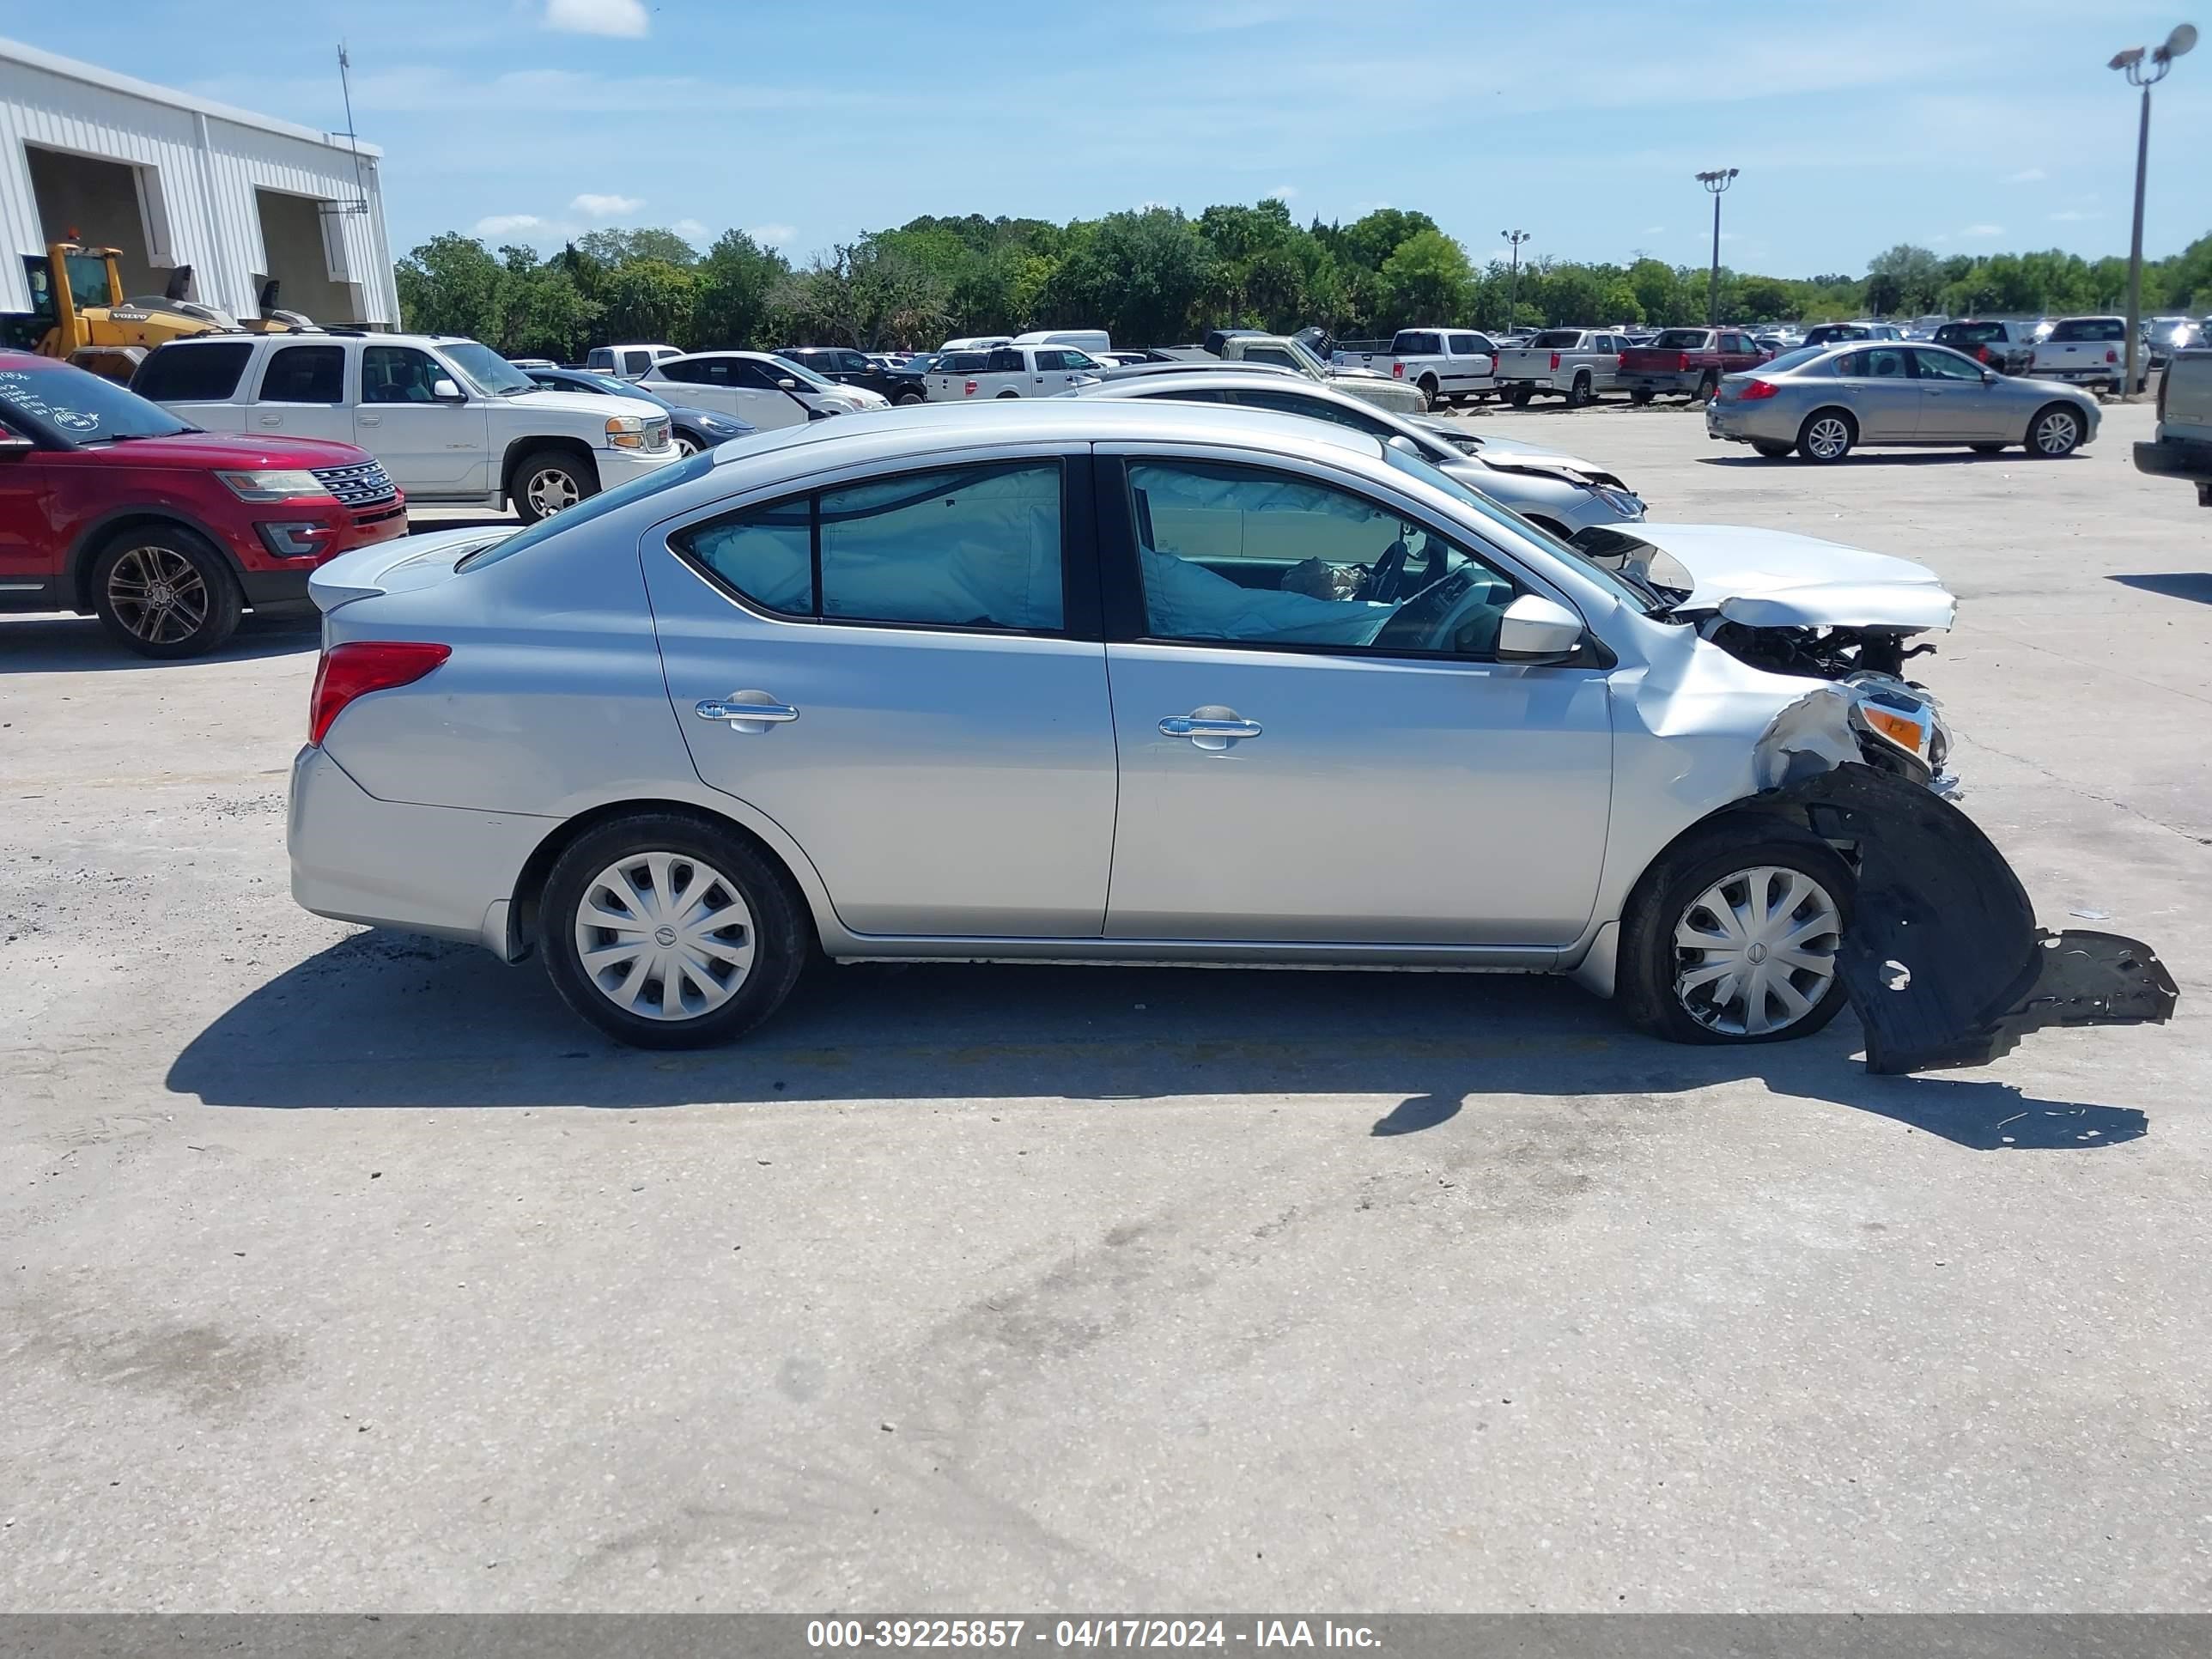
(491, 372)
(805, 376)
(1311, 365)
(1641, 600)
(67, 405)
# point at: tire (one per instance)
(1706, 389)
(1428, 388)
(2054, 433)
(1640, 395)
(165, 593)
(1987, 449)
(688, 444)
(1772, 450)
(1520, 395)
(550, 481)
(1827, 436)
(1707, 995)
(1578, 394)
(906, 398)
(650, 865)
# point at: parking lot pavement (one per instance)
(338, 1269)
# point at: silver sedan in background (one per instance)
(1825, 401)
(1561, 494)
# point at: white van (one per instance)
(628, 362)
(1009, 371)
(1093, 340)
(978, 342)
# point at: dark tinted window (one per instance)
(1885, 363)
(191, 373)
(1049, 360)
(305, 375)
(1317, 409)
(852, 362)
(1970, 333)
(1277, 355)
(1004, 360)
(1558, 339)
(2090, 328)
(1681, 339)
(1467, 345)
(1412, 343)
(636, 362)
(962, 362)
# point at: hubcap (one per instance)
(2055, 437)
(686, 448)
(1755, 952)
(158, 595)
(1828, 437)
(663, 936)
(552, 489)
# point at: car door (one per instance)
(302, 394)
(1953, 402)
(1285, 777)
(934, 731)
(1463, 364)
(1605, 370)
(429, 447)
(1882, 394)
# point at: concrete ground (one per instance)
(340, 1270)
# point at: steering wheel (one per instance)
(1420, 622)
(1389, 571)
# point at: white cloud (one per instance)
(1281, 193)
(605, 207)
(2026, 176)
(620, 17)
(690, 229)
(1982, 232)
(772, 236)
(2074, 216)
(1655, 230)
(506, 224)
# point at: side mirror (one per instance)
(448, 391)
(787, 385)
(1535, 629)
(1990, 377)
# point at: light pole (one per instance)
(1513, 300)
(2144, 70)
(1715, 182)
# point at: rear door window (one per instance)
(1467, 345)
(636, 362)
(1414, 343)
(305, 375)
(1005, 360)
(192, 374)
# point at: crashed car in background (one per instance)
(1128, 681)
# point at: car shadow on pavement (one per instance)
(65, 645)
(2174, 584)
(2014, 456)
(386, 1020)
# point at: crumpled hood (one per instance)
(1521, 456)
(1777, 578)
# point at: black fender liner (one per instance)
(1943, 963)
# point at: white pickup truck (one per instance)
(452, 421)
(1445, 363)
(1575, 363)
(2089, 351)
(2182, 447)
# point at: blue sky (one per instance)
(1966, 125)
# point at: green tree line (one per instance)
(1155, 277)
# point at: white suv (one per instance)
(1020, 370)
(452, 421)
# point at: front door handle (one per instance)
(746, 711)
(366, 419)
(272, 420)
(1210, 728)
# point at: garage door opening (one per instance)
(103, 203)
(297, 232)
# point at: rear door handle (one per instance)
(1214, 732)
(746, 711)
(367, 419)
(272, 420)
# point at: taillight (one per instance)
(361, 667)
(2111, 355)
(1754, 390)
(971, 392)
(1555, 363)
(1397, 370)
(1981, 354)
(1681, 363)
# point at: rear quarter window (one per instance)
(192, 374)
(1556, 340)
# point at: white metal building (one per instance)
(172, 181)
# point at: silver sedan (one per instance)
(1558, 493)
(1134, 682)
(1823, 402)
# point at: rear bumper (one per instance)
(619, 467)
(441, 870)
(1684, 380)
(2175, 457)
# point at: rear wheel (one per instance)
(2054, 431)
(666, 931)
(165, 593)
(1827, 436)
(1429, 389)
(1579, 392)
(1706, 388)
(1731, 938)
(551, 481)
(1772, 450)
(1002, 396)
(1520, 395)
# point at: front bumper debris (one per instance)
(1942, 960)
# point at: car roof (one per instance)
(1219, 380)
(912, 428)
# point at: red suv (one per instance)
(110, 504)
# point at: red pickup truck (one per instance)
(110, 504)
(1689, 362)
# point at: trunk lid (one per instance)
(399, 567)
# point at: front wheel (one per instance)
(1579, 392)
(2054, 431)
(1732, 937)
(687, 446)
(550, 481)
(165, 593)
(667, 932)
